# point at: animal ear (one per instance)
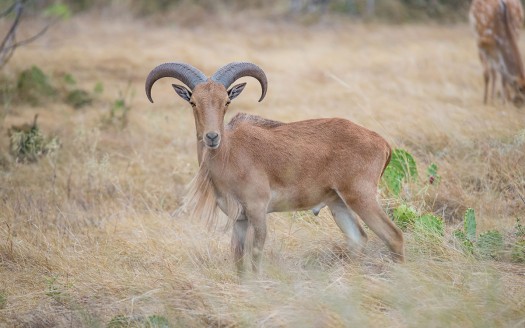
(236, 90)
(182, 91)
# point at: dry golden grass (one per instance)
(89, 234)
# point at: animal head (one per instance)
(209, 97)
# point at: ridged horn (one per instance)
(231, 72)
(187, 74)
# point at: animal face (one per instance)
(209, 101)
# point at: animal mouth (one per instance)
(212, 144)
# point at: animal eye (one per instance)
(228, 102)
(192, 104)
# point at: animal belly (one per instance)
(286, 201)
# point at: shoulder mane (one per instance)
(253, 120)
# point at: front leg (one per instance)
(257, 227)
(240, 228)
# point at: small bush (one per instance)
(27, 143)
(490, 244)
(78, 98)
(430, 225)
(518, 252)
(405, 216)
(466, 245)
(157, 321)
(34, 86)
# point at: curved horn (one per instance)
(233, 71)
(187, 74)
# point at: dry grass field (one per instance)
(90, 235)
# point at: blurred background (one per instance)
(385, 10)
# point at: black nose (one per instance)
(212, 135)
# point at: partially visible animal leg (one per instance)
(349, 224)
(493, 78)
(240, 228)
(256, 236)
(486, 78)
(373, 215)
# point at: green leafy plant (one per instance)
(517, 253)
(78, 98)
(34, 86)
(157, 321)
(75, 97)
(469, 224)
(519, 229)
(3, 299)
(467, 236)
(402, 168)
(490, 244)
(405, 216)
(467, 245)
(430, 225)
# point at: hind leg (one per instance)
(368, 209)
(348, 223)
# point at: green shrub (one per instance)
(466, 245)
(430, 225)
(490, 244)
(34, 86)
(405, 216)
(78, 98)
(402, 168)
(157, 321)
(518, 252)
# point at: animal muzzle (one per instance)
(212, 140)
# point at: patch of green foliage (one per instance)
(405, 216)
(58, 10)
(518, 252)
(28, 144)
(153, 321)
(3, 299)
(157, 321)
(34, 86)
(119, 110)
(469, 224)
(408, 219)
(519, 229)
(430, 225)
(402, 168)
(490, 244)
(78, 98)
